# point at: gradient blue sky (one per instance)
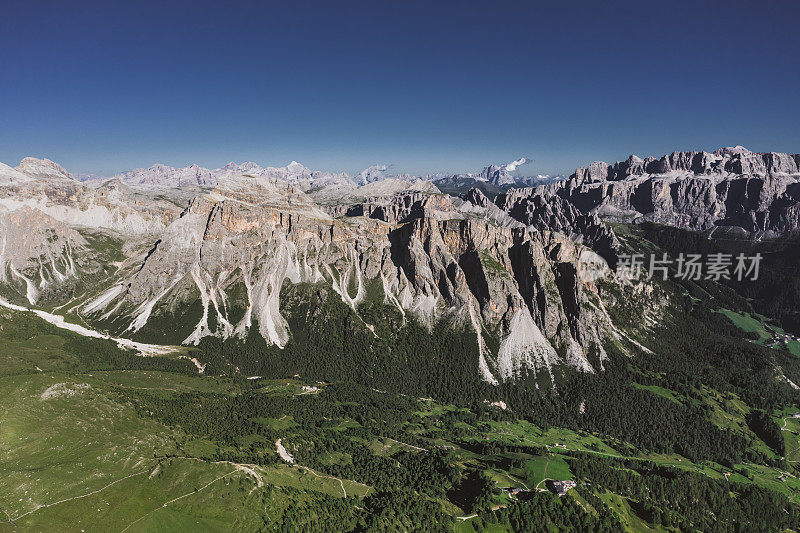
(425, 86)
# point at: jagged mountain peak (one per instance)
(748, 192)
(509, 268)
(500, 175)
(43, 169)
(724, 162)
(232, 166)
(475, 196)
(732, 150)
(165, 176)
(160, 175)
(446, 261)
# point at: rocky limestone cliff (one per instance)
(43, 169)
(522, 293)
(36, 251)
(732, 187)
(725, 161)
(553, 213)
(520, 273)
(46, 187)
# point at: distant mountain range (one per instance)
(214, 252)
(492, 178)
(755, 194)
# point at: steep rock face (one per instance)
(595, 172)
(389, 200)
(696, 190)
(553, 213)
(497, 176)
(521, 292)
(736, 160)
(36, 251)
(394, 209)
(108, 205)
(214, 261)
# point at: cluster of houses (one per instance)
(782, 340)
(559, 488)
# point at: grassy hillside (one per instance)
(140, 450)
(694, 425)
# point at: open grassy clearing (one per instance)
(767, 333)
(104, 468)
(622, 508)
(558, 439)
(539, 469)
(789, 422)
(661, 391)
(168, 382)
(112, 462)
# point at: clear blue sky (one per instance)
(425, 86)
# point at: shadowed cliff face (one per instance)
(553, 213)
(693, 190)
(232, 251)
(521, 272)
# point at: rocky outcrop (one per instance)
(725, 161)
(389, 200)
(431, 256)
(731, 187)
(37, 252)
(393, 209)
(43, 169)
(107, 205)
(553, 213)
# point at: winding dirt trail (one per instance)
(78, 497)
(176, 499)
(544, 475)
